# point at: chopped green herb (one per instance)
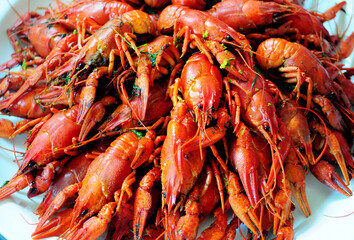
(24, 67)
(254, 82)
(206, 34)
(178, 40)
(226, 63)
(139, 134)
(225, 182)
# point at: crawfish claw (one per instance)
(16, 184)
(241, 205)
(95, 226)
(325, 173)
(54, 227)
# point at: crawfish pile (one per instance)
(145, 118)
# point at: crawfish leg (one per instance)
(58, 202)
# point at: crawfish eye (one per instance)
(31, 164)
(84, 212)
(228, 37)
(266, 127)
(65, 16)
(302, 150)
(80, 65)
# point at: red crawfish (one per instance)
(42, 36)
(105, 175)
(48, 145)
(27, 106)
(156, 58)
(297, 65)
(201, 87)
(58, 55)
(72, 172)
(197, 27)
(110, 40)
(180, 169)
(251, 100)
(308, 28)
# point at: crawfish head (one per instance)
(262, 115)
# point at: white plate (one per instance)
(331, 212)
